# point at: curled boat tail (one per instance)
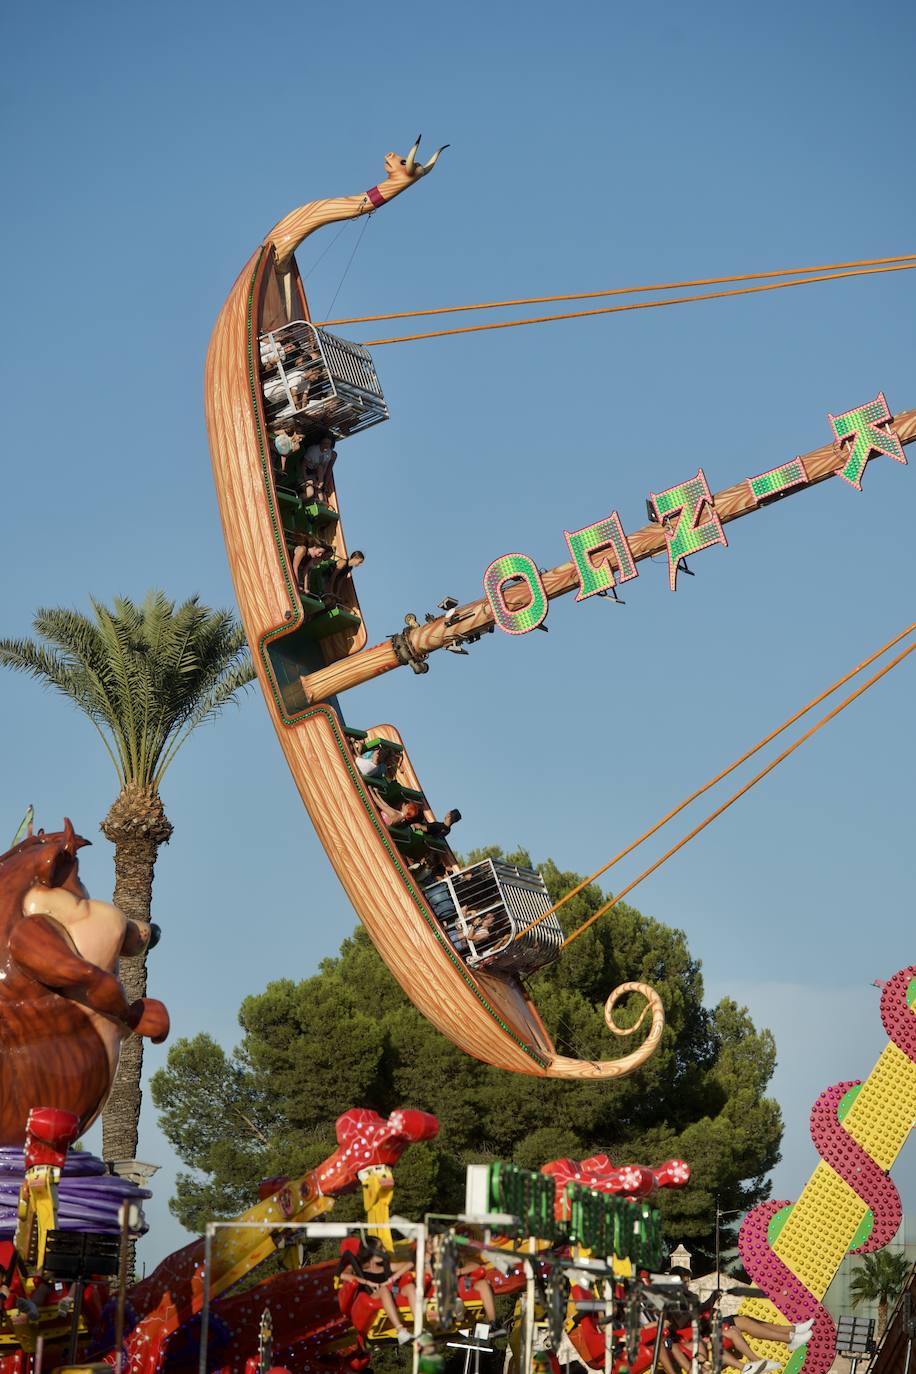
(562, 1067)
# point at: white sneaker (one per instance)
(799, 1338)
(756, 1368)
(404, 1336)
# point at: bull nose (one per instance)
(155, 935)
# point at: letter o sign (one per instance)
(515, 568)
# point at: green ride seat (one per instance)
(352, 732)
(333, 622)
(410, 842)
(320, 515)
(296, 515)
(394, 793)
(311, 605)
(289, 502)
(377, 742)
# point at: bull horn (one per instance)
(72, 841)
(432, 161)
(411, 156)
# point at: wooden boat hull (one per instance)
(498, 1024)
(488, 1017)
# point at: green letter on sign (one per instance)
(679, 510)
(597, 575)
(862, 432)
(515, 567)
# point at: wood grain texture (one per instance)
(295, 227)
(732, 503)
(488, 1017)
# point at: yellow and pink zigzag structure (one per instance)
(793, 1251)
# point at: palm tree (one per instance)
(146, 676)
(880, 1279)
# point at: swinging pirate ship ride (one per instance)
(486, 1012)
(273, 375)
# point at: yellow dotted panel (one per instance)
(824, 1220)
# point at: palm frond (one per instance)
(51, 669)
(124, 675)
(145, 674)
(219, 695)
(82, 644)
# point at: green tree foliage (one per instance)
(350, 1037)
(880, 1279)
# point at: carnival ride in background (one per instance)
(64, 1218)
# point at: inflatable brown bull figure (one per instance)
(63, 1013)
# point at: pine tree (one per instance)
(350, 1037)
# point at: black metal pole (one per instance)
(77, 1295)
(659, 1337)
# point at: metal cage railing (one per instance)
(318, 381)
(484, 908)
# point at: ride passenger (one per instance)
(734, 1330)
(272, 352)
(275, 392)
(312, 552)
(480, 927)
(381, 1279)
(441, 828)
(317, 462)
(286, 442)
(410, 814)
(342, 569)
(378, 764)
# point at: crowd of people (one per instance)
(672, 1326)
(302, 382)
(676, 1355)
(366, 1269)
(378, 761)
(304, 463)
(319, 570)
(370, 1280)
(475, 934)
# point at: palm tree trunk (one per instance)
(136, 825)
(882, 1318)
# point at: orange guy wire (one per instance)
(634, 305)
(580, 930)
(675, 811)
(614, 291)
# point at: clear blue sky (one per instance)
(149, 148)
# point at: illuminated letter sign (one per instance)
(860, 433)
(514, 567)
(602, 555)
(679, 510)
(777, 480)
(597, 575)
